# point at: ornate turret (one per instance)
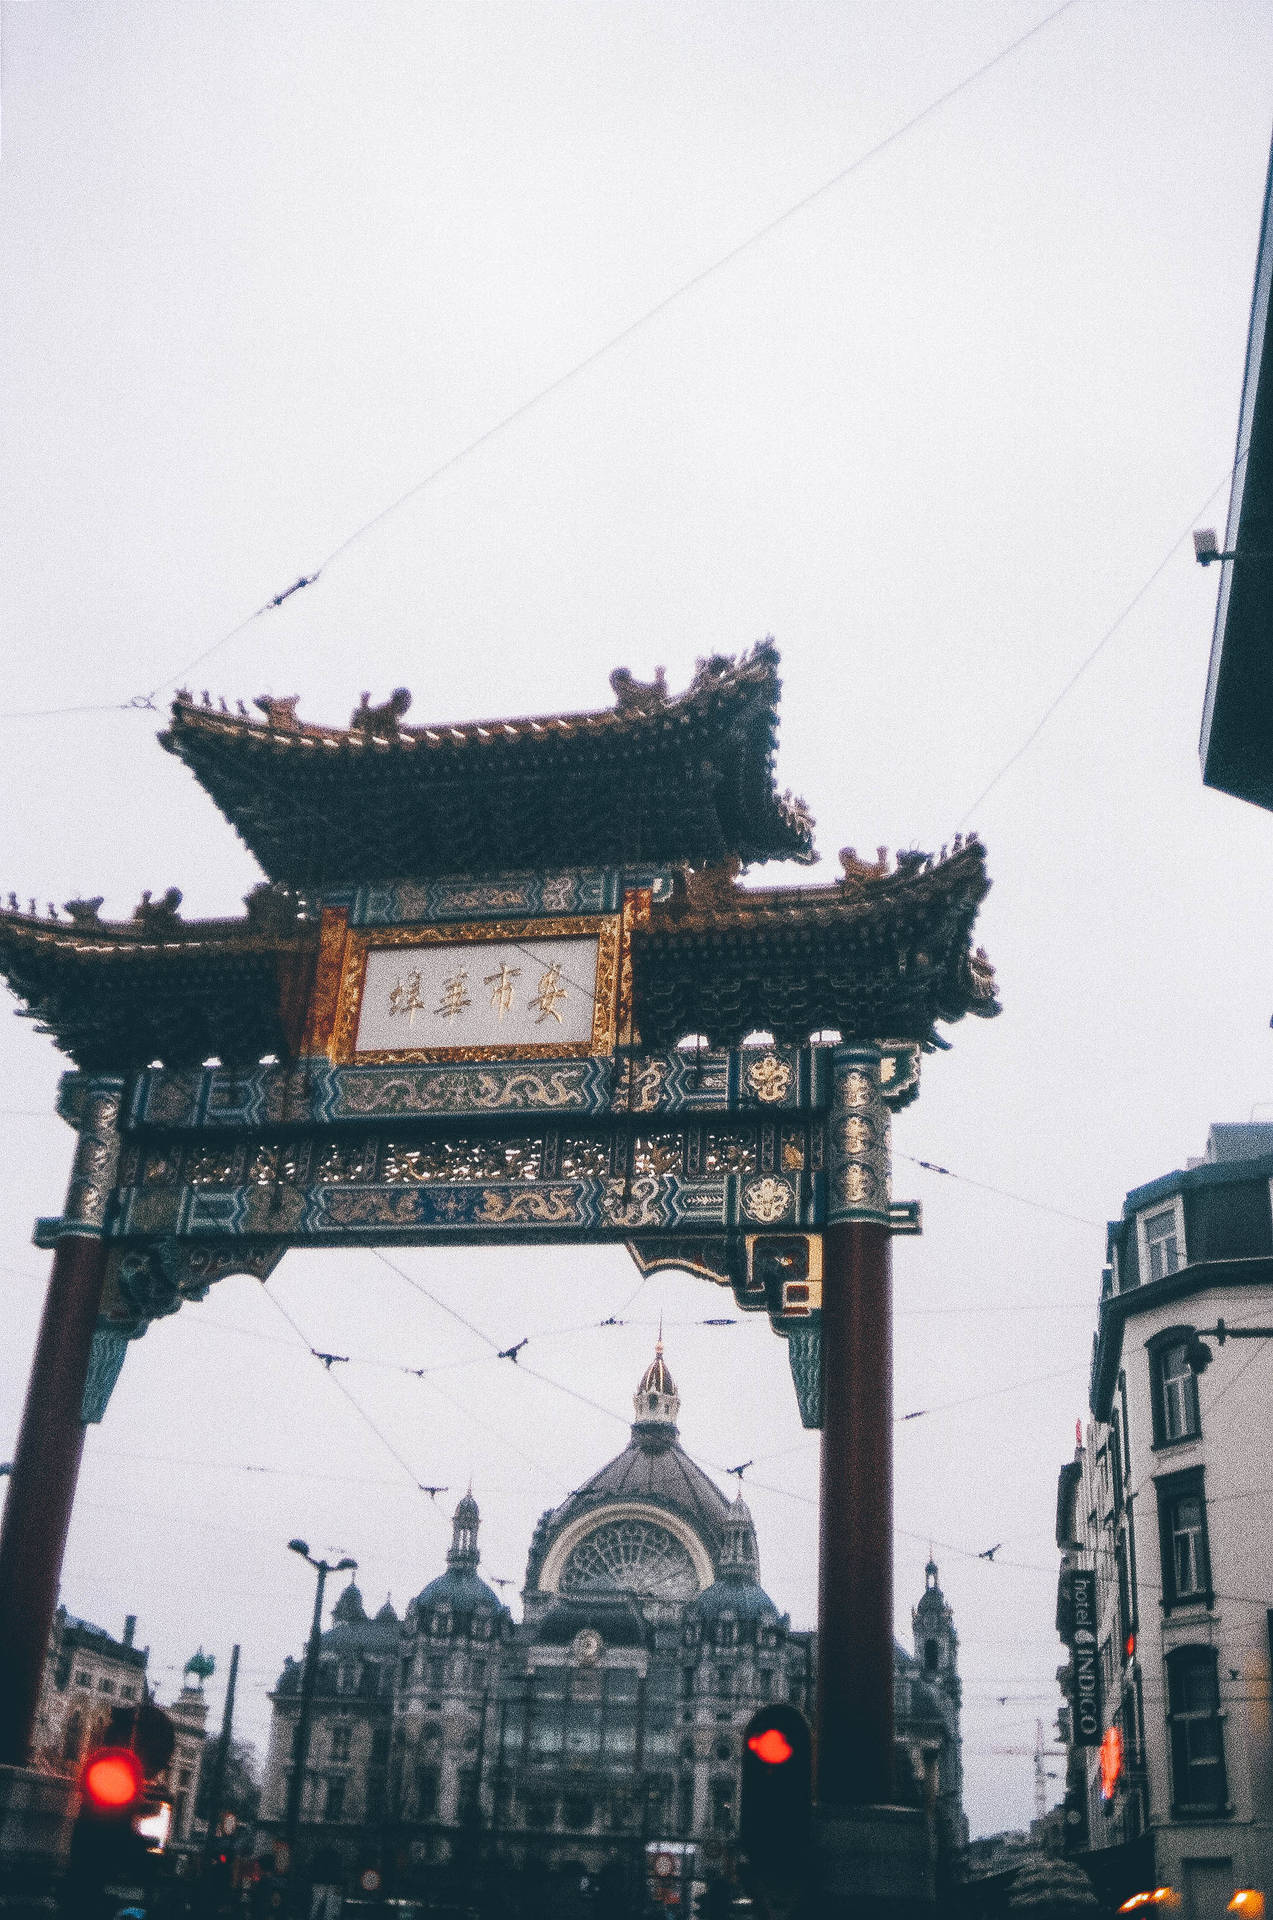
(656, 1402)
(936, 1642)
(349, 1609)
(463, 1549)
(739, 1554)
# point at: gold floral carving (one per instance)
(768, 1199)
(858, 1089)
(770, 1078)
(605, 928)
(324, 999)
(638, 909)
(860, 1185)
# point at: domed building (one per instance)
(346, 1776)
(614, 1710)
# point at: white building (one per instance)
(1165, 1519)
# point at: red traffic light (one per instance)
(771, 1746)
(112, 1780)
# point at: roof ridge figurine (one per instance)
(382, 722)
(279, 714)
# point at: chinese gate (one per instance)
(496, 988)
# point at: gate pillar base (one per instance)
(37, 1812)
(872, 1863)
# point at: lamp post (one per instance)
(300, 1744)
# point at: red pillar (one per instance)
(42, 1488)
(855, 1586)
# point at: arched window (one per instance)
(932, 1654)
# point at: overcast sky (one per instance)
(266, 264)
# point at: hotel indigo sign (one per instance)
(1086, 1658)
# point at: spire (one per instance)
(656, 1401)
(349, 1607)
(739, 1555)
(463, 1550)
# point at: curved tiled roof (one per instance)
(656, 777)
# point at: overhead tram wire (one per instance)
(337, 1382)
(1110, 632)
(580, 367)
(1004, 1193)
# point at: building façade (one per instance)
(609, 1719)
(1163, 1518)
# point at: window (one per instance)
(340, 1742)
(1175, 1388)
(335, 1800)
(577, 1810)
(1196, 1728)
(105, 1686)
(437, 1673)
(1182, 1530)
(932, 1655)
(127, 1693)
(725, 1681)
(427, 1793)
(541, 1811)
(1164, 1241)
(1126, 1618)
(83, 1678)
(722, 1805)
(73, 1738)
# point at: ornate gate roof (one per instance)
(655, 778)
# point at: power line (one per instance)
(625, 333)
(337, 1382)
(1022, 1200)
(1102, 643)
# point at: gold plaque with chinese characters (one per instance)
(515, 990)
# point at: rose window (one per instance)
(630, 1556)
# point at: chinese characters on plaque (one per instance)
(479, 993)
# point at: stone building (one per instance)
(611, 1716)
(88, 1677)
(1163, 1519)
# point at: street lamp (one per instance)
(300, 1744)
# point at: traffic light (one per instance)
(777, 1791)
(109, 1860)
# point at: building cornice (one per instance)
(1199, 1277)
